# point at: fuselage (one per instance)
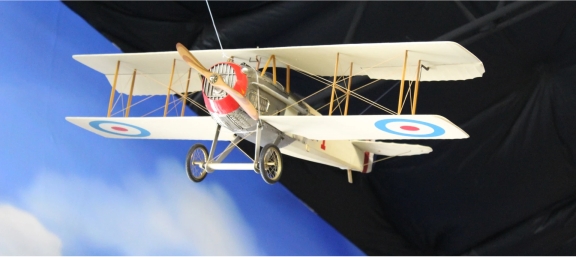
(270, 98)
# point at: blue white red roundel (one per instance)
(410, 128)
(119, 128)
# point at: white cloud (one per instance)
(136, 215)
(22, 234)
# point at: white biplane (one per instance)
(245, 102)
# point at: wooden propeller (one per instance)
(217, 81)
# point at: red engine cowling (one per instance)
(222, 107)
(217, 101)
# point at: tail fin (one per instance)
(368, 161)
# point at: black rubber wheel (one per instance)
(270, 163)
(196, 155)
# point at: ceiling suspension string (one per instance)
(216, 31)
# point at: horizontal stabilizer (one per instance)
(391, 149)
(189, 128)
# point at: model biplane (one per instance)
(248, 103)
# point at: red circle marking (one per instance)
(119, 129)
(409, 128)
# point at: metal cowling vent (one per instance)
(228, 75)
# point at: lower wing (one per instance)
(357, 127)
(189, 128)
(351, 127)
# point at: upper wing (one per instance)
(192, 128)
(445, 60)
(353, 127)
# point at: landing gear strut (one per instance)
(268, 161)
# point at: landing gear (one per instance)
(196, 162)
(270, 163)
(267, 162)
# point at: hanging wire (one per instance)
(216, 30)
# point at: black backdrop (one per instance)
(510, 189)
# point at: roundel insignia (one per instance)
(409, 128)
(119, 128)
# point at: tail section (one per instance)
(371, 148)
(368, 161)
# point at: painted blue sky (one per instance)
(66, 191)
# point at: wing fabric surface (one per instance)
(352, 127)
(188, 128)
(361, 127)
(444, 61)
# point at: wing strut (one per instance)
(334, 84)
(186, 92)
(348, 90)
(130, 95)
(402, 83)
(273, 59)
(416, 87)
(288, 79)
(113, 89)
(169, 88)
